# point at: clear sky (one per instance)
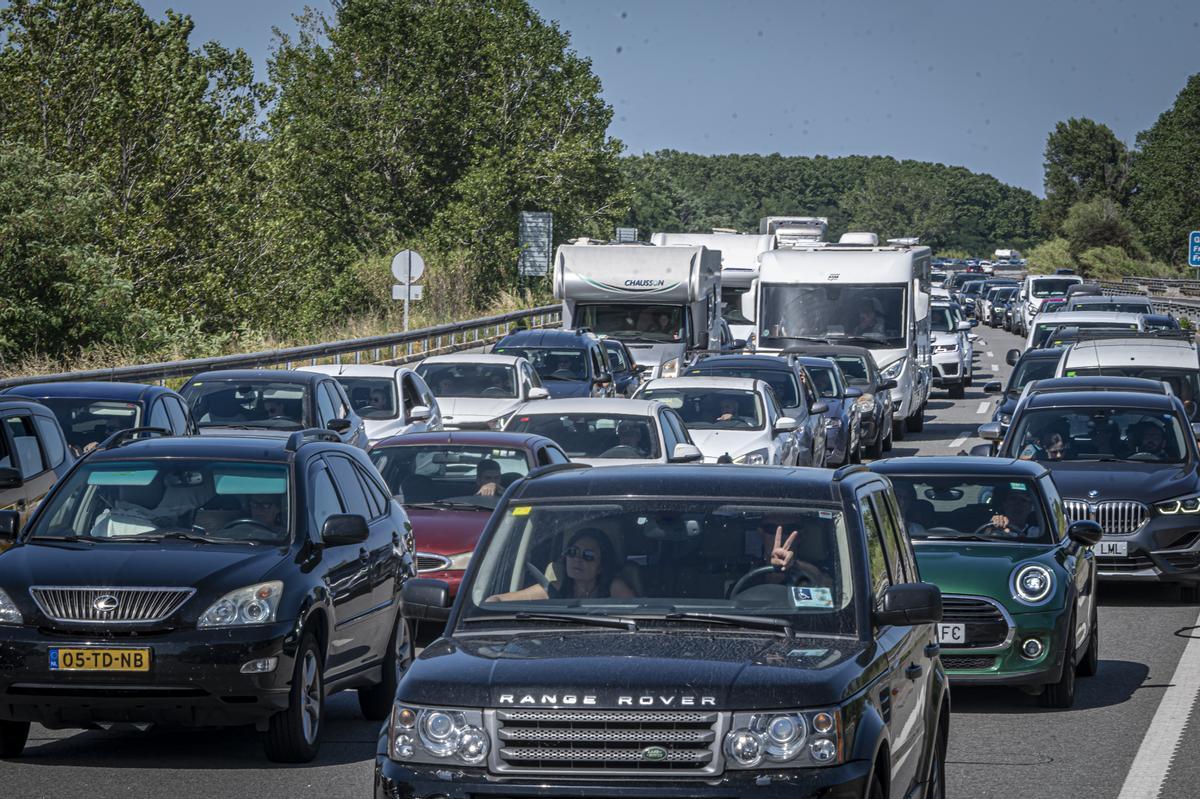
(977, 83)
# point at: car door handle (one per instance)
(914, 671)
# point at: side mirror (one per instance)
(686, 453)
(345, 529)
(965, 325)
(974, 323)
(339, 425)
(909, 603)
(1012, 357)
(639, 368)
(738, 344)
(786, 424)
(1085, 532)
(993, 387)
(603, 379)
(818, 407)
(10, 478)
(538, 392)
(419, 413)
(10, 525)
(990, 431)
(981, 451)
(425, 599)
(887, 385)
(1196, 430)
(852, 393)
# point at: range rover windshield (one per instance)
(1099, 434)
(666, 561)
(991, 508)
(869, 315)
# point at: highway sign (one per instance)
(414, 292)
(535, 233)
(626, 235)
(1194, 249)
(408, 266)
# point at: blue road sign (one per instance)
(1194, 249)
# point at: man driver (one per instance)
(487, 479)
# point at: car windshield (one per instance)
(872, 314)
(87, 422)
(1031, 369)
(711, 408)
(1093, 433)
(972, 288)
(941, 320)
(1050, 287)
(657, 323)
(659, 560)
(371, 397)
(1044, 332)
(824, 381)
(1116, 307)
(854, 369)
(731, 305)
(593, 435)
(937, 278)
(448, 475)
(995, 508)
(552, 363)
(1004, 295)
(251, 403)
(1184, 383)
(470, 380)
(206, 500)
(782, 382)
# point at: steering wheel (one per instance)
(750, 576)
(737, 421)
(494, 391)
(255, 522)
(1145, 456)
(983, 528)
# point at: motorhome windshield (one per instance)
(634, 322)
(870, 315)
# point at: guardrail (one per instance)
(1155, 289)
(391, 349)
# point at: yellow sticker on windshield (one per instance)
(521, 510)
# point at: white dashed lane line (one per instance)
(983, 406)
(958, 442)
(995, 367)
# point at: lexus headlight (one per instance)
(436, 735)
(459, 562)
(9, 613)
(670, 368)
(254, 604)
(866, 402)
(1170, 507)
(755, 458)
(893, 370)
(1032, 584)
(787, 739)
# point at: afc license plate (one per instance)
(68, 659)
(1112, 549)
(952, 634)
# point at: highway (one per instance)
(1002, 744)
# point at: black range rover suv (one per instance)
(205, 581)
(708, 631)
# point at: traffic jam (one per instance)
(678, 547)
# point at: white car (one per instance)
(392, 400)
(1045, 324)
(479, 391)
(951, 364)
(730, 418)
(609, 432)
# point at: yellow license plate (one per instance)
(70, 659)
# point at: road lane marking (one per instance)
(991, 355)
(983, 406)
(958, 442)
(1153, 760)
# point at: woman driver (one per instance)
(589, 572)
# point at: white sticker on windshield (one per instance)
(812, 597)
(807, 653)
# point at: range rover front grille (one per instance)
(985, 622)
(1116, 517)
(606, 741)
(102, 605)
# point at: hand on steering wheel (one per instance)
(998, 524)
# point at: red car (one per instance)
(449, 483)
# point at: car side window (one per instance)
(893, 542)
(376, 497)
(323, 498)
(177, 415)
(618, 359)
(531, 375)
(410, 395)
(349, 486)
(1056, 507)
(341, 403)
(325, 411)
(670, 439)
(52, 441)
(773, 409)
(678, 427)
(876, 557)
(159, 417)
(25, 444)
(806, 391)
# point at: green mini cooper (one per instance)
(1018, 579)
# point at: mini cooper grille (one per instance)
(109, 605)
(427, 562)
(570, 741)
(986, 625)
(1116, 517)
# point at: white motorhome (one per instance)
(740, 253)
(855, 292)
(794, 231)
(663, 302)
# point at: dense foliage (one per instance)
(1167, 173)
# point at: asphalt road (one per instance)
(1002, 743)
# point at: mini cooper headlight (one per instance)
(437, 735)
(1187, 504)
(794, 739)
(254, 604)
(1032, 583)
(9, 613)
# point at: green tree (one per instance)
(1084, 160)
(1100, 223)
(1167, 172)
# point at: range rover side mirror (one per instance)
(818, 407)
(425, 599)
(419, 413)
(853, 393)
(1085, 532)
(10, 525)
(345, 529)
(686, 453)
(993, 387)
(887, 385)
(1012, 357)
(909, 603)
(10, 478)
(990, 431)
(538, 392)
(339, 425)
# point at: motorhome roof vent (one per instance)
(860, 238)
(909, 241)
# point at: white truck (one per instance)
(855, 292)
(794, 231)
(663, 302)
(740, 254)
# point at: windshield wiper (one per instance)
(443, 504)
(593, 620)
(72, 538)
(736, 620)
(180, 535)
(961, 537)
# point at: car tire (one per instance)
(899, 429)
(294, 735)
(1061, 695)
(916, 422)
(376, 702)
(856, 452)
(1089, 664)
(935, 785)
(875, 789)
(13, 735)
(958, 391)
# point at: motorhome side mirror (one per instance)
(425, 599)
(10, 478)
(887, 385)
(906, 604)
(852, 393)
(818, 407)
(993, 387)
(345, 529)
(538, 392)
(10, 525)
(1012, 357)
(686, 453)
(419, 413)
(990, 431)
(786, 424)
(339, 425)
(1085, 532)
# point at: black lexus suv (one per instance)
(701, 631)
(205, 581)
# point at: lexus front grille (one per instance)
(1116, 517)
(102, 605)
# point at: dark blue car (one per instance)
(843, 419)
(571, 363)
(626, 372)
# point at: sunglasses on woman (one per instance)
(587, 555)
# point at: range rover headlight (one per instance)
(254, 604)
(437, 735)
(1186, 504)
(1032, 583)
(9, 613)
(788, 738)
(893, 370)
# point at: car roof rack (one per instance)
(129, 434)
(301, 437)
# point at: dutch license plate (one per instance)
(951, 634)
(73, 659)
(1112, 549)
